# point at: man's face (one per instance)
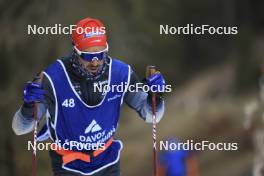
(94, 65)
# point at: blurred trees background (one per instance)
(133, 34)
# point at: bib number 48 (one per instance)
(68, 103)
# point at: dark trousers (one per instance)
(56, 163)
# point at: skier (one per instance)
(178, 162)
(254, 124)
(75, 112)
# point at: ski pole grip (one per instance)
(40, 78)
(151, 70)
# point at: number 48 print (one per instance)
(68, 103)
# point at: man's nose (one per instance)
(95, 62)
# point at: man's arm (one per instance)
(23, 120)
(141, 102)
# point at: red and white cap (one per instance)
(89, 32)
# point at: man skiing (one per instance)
(75, 112)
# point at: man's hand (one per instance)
(156, 82)
(33, 92)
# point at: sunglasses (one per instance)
(89, 56)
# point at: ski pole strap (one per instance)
(69, 155)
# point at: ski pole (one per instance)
(34, 153)
(35, 114)
(150, 71)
